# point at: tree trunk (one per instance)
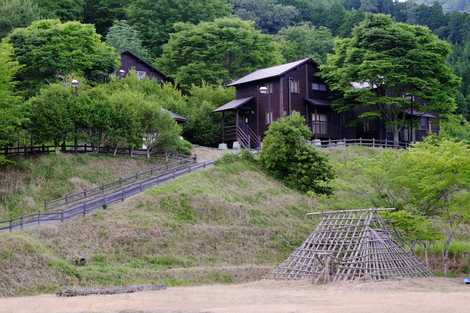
(396, 136)
(445, 256)
(426, 254)
(148, 153)
(116, 150)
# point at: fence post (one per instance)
(22, 222)
(9, 226)
(373, 142)
(62, 216)
(360, 141)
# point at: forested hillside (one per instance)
(449, 5)
(199, 44)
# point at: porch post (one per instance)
(223, 126)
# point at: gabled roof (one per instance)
(268, 72)
(146, 63)
(234, 104)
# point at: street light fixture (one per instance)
(75, 85)
(122, 73)
(263, 90)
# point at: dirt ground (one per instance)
(208, 154)
(417, 296)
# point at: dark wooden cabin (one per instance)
(130, 61)
(269, 94)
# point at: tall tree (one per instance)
(103, 13)
(386, 66)
(216, 52)
(305, 40)
(10, 114)
(49, 50)
(124, 37)
(65, 10)
(268, 15)
(460, 63)
(154, 19)
(436, 176)
(16, 13)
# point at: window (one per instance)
(269, 118)
(424, 123)
(141, 75)
(319, 124)
(318, 87)
(294, 86)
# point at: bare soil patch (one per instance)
(435, 295)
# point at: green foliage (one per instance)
(204, 126)
(65, 10)
(460, 63)
(122, 113)
(154, 19)
(287, 156)
(103, 13)
(269, 15)
(395, 60)
(455, 127)
(123, 37)
(302, 41)
(413, 228)
(431, 180)
(216, 52)
(50, 114)
(11, 116)
(49, 49)
(16, 13)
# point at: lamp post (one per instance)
(75, 84)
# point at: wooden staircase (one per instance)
(244, 135)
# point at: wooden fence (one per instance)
(71, 198)
(84, 206)
(373, 143)
(85, 148)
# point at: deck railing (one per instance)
(363, 142)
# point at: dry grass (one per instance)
(228, 224)
(25, 186)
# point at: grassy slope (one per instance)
(24, 187)
(229, 223)
(224, 224)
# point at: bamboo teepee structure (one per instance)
(351, 245)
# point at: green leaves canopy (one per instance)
(16, 13)
(124, 37)
(395, 60)
(10, 111)
(216, 52)
(306, 41)
(49, 49)
(287, 156)
(155, 18)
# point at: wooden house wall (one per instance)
(129, 62)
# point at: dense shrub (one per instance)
(287, 156)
